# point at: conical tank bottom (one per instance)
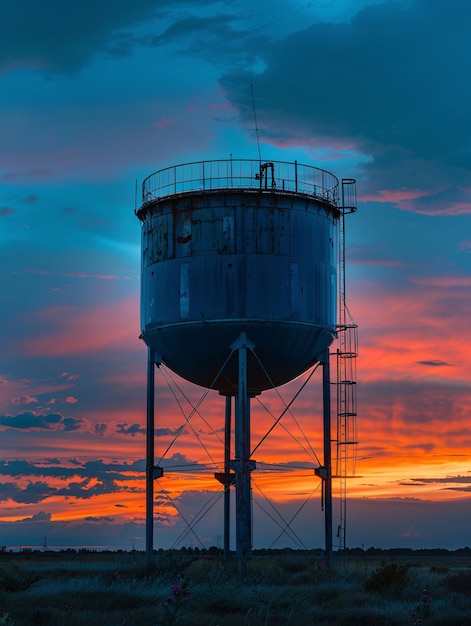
(201, 352)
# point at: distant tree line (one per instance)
(215, 551)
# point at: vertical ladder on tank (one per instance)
(347, 352)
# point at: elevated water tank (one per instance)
(239, 246)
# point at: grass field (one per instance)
(121, 589)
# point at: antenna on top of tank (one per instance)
(256, 125)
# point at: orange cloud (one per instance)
(442, 281)
(86, 330)
(25, 400)
(396, 195)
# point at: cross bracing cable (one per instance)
(167, 376)
(289, 475)
(293, 537)
(285, 410)
(283, 466)
(172, 501)
(311, 453)
(201, 514)
(297, 513)
(286, 529)
(207, 506)
(197, 465)
(187, 422)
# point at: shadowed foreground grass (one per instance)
(123, 590)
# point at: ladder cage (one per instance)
(346, 440)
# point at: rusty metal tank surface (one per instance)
(231, 247)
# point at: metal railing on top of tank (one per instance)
(273, 176)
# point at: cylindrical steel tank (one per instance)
(239, 246)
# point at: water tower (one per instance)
(239, 290)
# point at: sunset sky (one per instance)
(95, 95)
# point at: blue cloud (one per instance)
(27, 421)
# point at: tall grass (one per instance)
(123, 590)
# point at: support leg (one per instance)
(243, 465)
(150, 455)
(327, 455)
(227, 484)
